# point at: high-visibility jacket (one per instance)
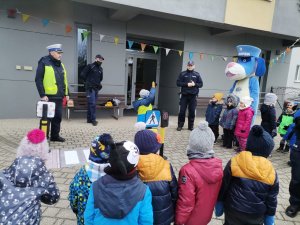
(49, 81)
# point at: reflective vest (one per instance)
(142, 112)
(285, 121)
(49, 81)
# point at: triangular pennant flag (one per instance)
(201, 56)
(45, 22)
(283, 57)
(116, 39)
(85, 34)
(167, 51)
(155, 48)
(25, 17)
(11, 13)
(225, 58)
(191, 55)
(273, 60)
(212, 58)
(180, 52)
(234, 59)
(101, 37)
(143, 46)
(68, 28)
(288, 50)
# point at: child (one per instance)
(268, 114)
(213, 113)
(199, 180)
(23, 186)
(34, 144)
(250, 184)
(157, 173)
(94, 169)
(120, 197)
(243, 123)
(144, 103)
(228, 120)
(285, 119)
(294, 187)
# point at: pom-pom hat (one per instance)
(100, 148)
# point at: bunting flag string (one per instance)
(12, 13)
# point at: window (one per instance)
(297, 77)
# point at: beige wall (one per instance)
(256, 14)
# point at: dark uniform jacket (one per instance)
(186, 77)
(92, 74)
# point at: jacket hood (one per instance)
(258, 168)
(210, 170)
(116, 198)
(235, 100)
(26, 171)
(153, 167)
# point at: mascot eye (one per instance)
(244, 60)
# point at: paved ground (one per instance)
(79, 134)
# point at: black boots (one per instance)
(280, 148)
(292, 210)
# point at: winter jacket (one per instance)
(119, 202)
(243, 123)
(23, 186)
(92, 74)
(268, 117)
(80, 187)
(199, 184)
(283, 122)
(213, 112)
(142, 105)
(290, 135)
(186, 77)
(157, 173)
(46, 66)
(250, 185)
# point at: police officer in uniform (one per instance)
(190, 81)
(92, 74)
(52, 84)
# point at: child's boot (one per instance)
(281, 147)
(286, 149)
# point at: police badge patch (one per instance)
(183, 179)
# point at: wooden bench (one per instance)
(81, 104)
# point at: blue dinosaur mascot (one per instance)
(245, 71)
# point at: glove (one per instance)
(219, 209)
(243, 131)
(285, 127)
(269, 220)
(153, 84)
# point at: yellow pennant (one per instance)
(116, 40)
(25, 17)
(180, 52)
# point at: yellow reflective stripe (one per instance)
(65, 80)
(49, 81)
(143, 109)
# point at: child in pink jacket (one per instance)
(243, 123)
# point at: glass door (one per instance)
(141, 71)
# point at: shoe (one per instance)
(58, 139)
(286, 149)
(95, 123)
(179, 128)
(88, 121)
(292, 210)
(191, 128)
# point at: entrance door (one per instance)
(141, 70)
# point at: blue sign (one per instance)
(152, 118)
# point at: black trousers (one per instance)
(228, 138)
(239, 218)
(190, 102)
(294, 188)
(55, 122)
(215, 130)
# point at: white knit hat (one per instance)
(144, 93)
(247, 100)
(201, 142)
(270, 99)
(34, 144)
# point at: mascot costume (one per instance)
(244, 72)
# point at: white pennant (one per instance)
(101, 37)
(167, 51)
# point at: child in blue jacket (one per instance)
(94, 169)
(120, 197)
(213, 113)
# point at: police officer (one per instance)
(92, 74)
(52, 84)
(190, 81)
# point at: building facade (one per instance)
(170, 31)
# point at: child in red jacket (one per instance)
(199, 180)
(243, 123)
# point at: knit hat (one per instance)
(123, 159)
(144, 93)
(218, 96)
(259, 142)
(247, 100)
(270, 99)
(147, 141)
(34, 144)
(100, 148)
(201, 142)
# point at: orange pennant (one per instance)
(143, 46)
(288, 50)
(201, 56)
(68, 28)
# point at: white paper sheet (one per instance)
(86, 153)
(71, 157)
